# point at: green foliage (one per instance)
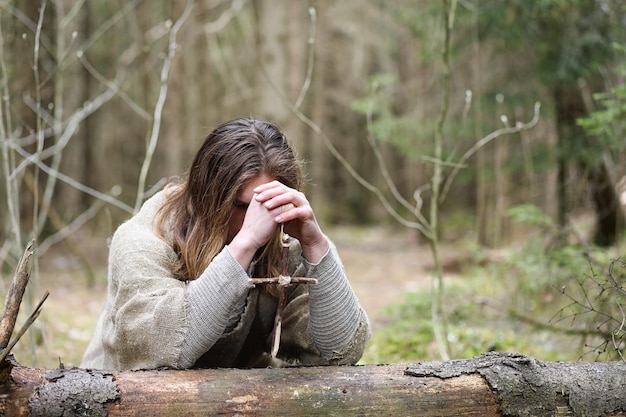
(410, 131)
(541, 264)
(529, 214)
(477, 324)
(608, 125)
(597, 302)
(553, 302)
(571, 38)
(408, 336)
(409, 135)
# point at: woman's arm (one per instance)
(216, 300)
(338, 324)
(153, 319)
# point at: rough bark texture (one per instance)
(528, 387)
(489, 385)
(14, 297)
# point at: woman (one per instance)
(179, 292)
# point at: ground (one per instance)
(382, 266)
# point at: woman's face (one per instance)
(241, 204)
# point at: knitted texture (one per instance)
(150, 319)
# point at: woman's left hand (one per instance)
(297, 217)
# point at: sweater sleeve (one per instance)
(144, 319)
(215, 298)
(337, 323)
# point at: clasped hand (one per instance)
(273, 204)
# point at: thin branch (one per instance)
(156, 125)
(31, 319)
(310, 57)
(538, 324)
(114, 85)
(79, 186)
(414, 209)
(587, 306)
(101, 30)
(337, 155)
(72, 227)
(446, 163)
(484, 141)
(362, 181)
(40, 135)
(69, 16)
(225, 18)
(27, 22)
(72, 125)
(11, 187)
(15, 295)
(440, 326)
(620, 329)
(615, 285)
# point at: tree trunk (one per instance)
(492, 384)
(572, 142)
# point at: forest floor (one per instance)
(383, 265)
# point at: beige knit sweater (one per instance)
(150, 319)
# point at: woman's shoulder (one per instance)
(139, 231)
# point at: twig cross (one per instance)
(282, 282)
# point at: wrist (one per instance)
(314, 252)
(243, 250)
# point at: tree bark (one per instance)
(492, 384)
(572, 143)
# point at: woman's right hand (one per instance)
(258, 226)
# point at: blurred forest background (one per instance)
(478, 144)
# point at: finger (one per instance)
(280, 211)
(267, 186)
(294, 213)
(278, 197)
(275, 197)
(287, 207)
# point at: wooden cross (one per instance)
(282, 282)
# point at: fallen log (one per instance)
(492, 384)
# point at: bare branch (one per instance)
(72, 125)
(71, 181)
(362, 181)
(540, 325)
(26, 21)
(484, 141)
(310, 57)
(102, 29)
(597, 295)
(617, 337)
(12, 189)
(225, 18)
(616, 286)
(338, 156)
(14, 296)
(415, 210)
(73, 227)
(40, 136)
(114, 85)
(156, 125)
(31, 319)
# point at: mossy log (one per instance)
(493, 384)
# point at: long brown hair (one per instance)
(197, 211)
